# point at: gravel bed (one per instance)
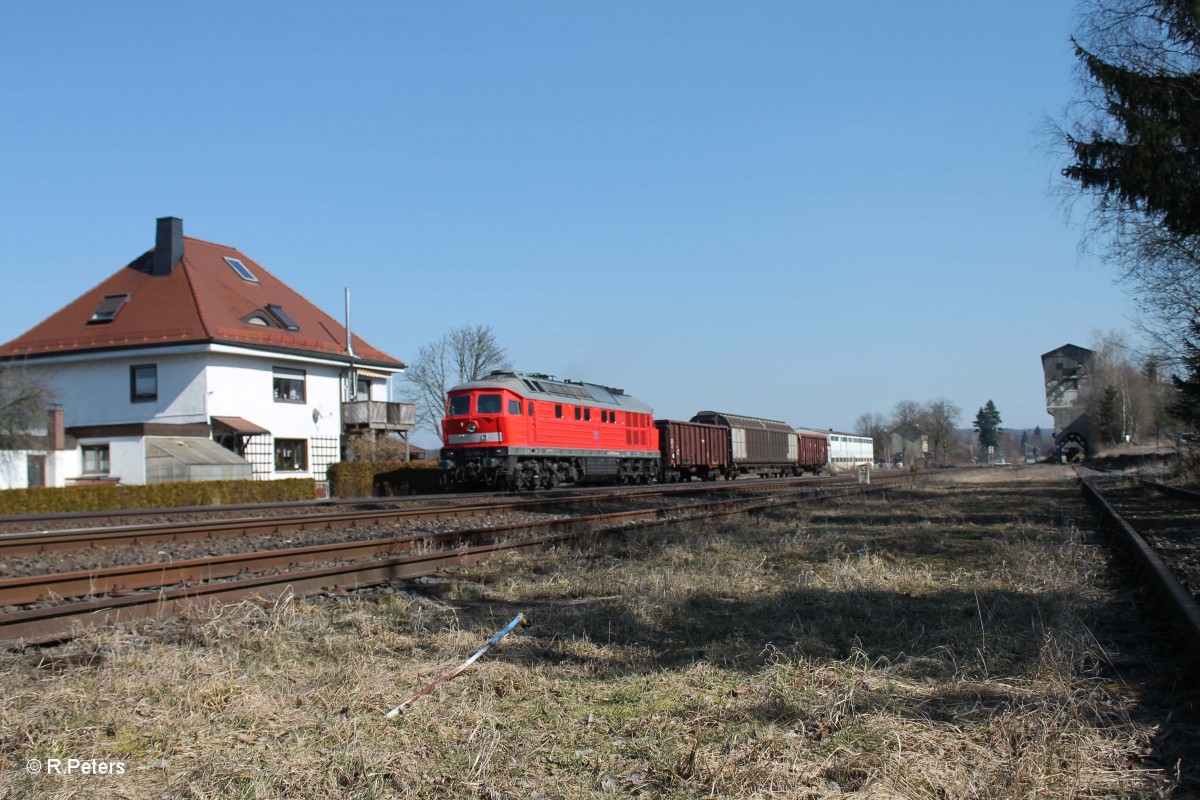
(1167, 523)
(72, 522)
(150, 553)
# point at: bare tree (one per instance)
(23, 403)
(1127, 392)
(462, 355)
(940, 417)
(908, 412)
(873, 424)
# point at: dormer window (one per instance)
(108, 308)
(261, 319)
(282, 317)
(241, 269)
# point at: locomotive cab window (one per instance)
(460, 406)
(488, 404)
(514, 407)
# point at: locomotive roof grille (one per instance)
(576, 391)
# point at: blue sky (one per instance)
(794, 210)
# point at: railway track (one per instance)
(51, 540)
(95, 520)
(1159, 528)
(51, 607)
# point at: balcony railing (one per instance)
(379, 415)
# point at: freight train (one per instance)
(521, 430)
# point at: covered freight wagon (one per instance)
(758, 446)
(814, 451)
(692, 450)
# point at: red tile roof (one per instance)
(202, 301)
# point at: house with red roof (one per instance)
(193, 362)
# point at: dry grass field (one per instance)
(952, 641)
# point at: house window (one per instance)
(143, 383)
(291, 455)
(108, 308)
(95, 459)
(237, 266)
(35, 471)
(289, 385)
(362, 389)
(281, 316)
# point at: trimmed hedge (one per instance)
(382, 478)
(114, 497)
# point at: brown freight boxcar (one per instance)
(814, 451)
(692, 450)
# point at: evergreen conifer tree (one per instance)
(987, 423)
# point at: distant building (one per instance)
(910, 444)
(1067, 371)
(195, 363)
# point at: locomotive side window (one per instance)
(531, 408)
(604, 415)
(587, 415)
(558, 410)
(514, 408)
(460, 406)
(488, 404)
(578, 413)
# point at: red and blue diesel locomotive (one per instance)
(528, 430)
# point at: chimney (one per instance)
(168, 245)
(56, 435)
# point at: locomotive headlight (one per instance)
(472, 427)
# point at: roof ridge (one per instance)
(206, 241)
(186, 264)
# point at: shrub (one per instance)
(114, 497)
(382, 478)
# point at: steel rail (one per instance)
(1174, 595)
(56, 622)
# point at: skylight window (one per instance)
(108, 308)
(278, 313)
(241, 270)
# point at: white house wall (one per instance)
(60, 464)
(240, 386)
(126, 457)
(98, 392)
(195, 383)
(13, 469)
